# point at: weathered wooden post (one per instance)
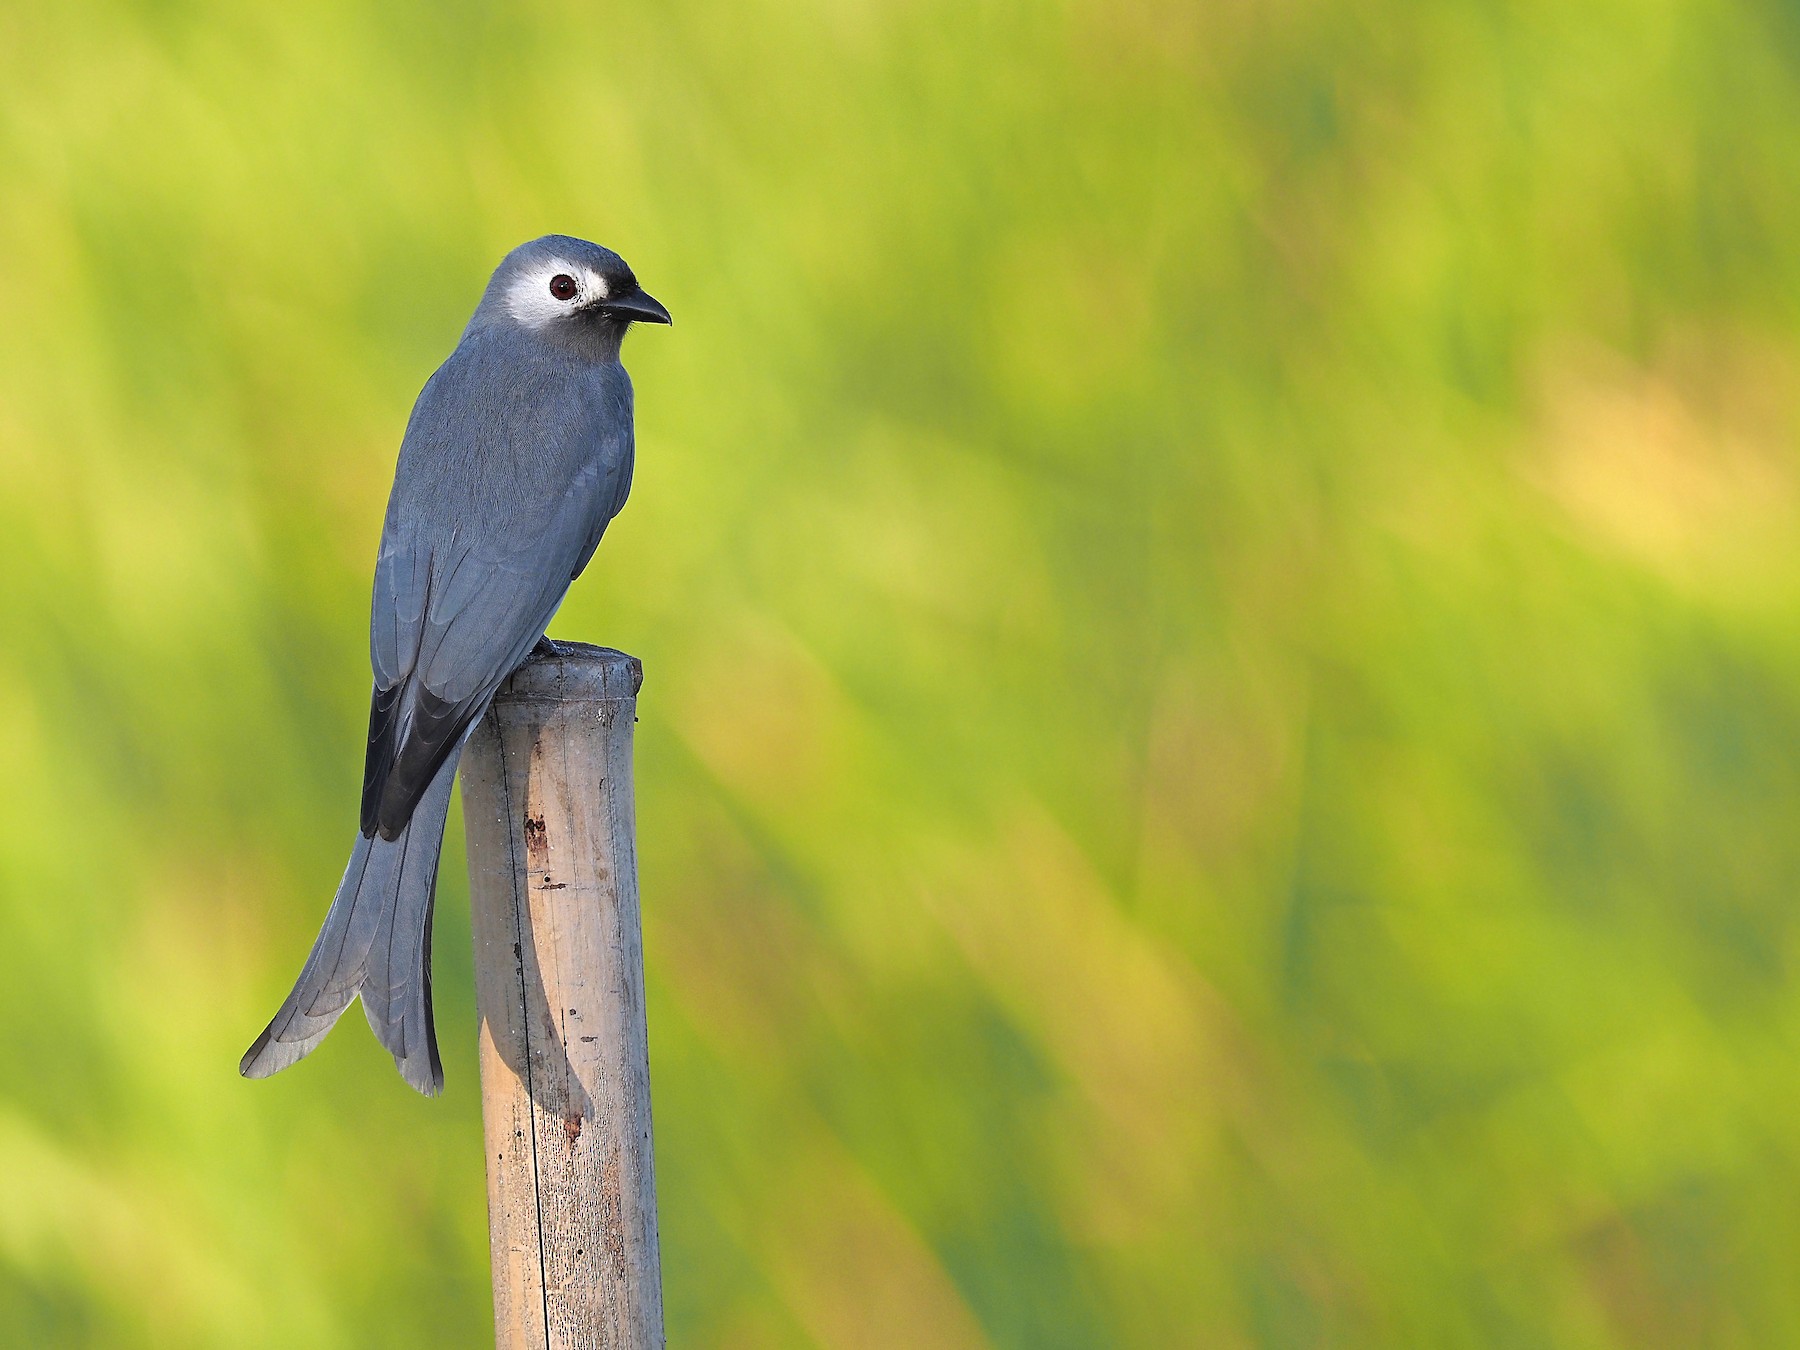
(559, 981)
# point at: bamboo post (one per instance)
(559, 982)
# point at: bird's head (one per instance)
(562, 286)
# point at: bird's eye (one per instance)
(563, 286)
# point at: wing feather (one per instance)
(507, 477)
(475, 619)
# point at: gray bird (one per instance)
(517, 454)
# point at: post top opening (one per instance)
(577, 673)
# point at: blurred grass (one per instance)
(1218, 587)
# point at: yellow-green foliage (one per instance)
(1220, 585)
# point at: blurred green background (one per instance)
(1219, 591)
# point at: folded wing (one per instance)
(455, 617)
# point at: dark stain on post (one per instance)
(537, 847)
(572, 1128)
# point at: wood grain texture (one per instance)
(565, 1079)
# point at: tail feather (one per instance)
(396, 989)
(376, 943)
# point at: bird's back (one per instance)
(501, 433)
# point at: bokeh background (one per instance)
(1219, 590)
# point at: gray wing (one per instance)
(478, 550)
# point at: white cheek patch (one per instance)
(529, 300)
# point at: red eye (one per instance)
(563, 286)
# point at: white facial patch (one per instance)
(529, 299)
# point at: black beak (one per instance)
(634, 306)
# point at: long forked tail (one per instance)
(376, 942)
